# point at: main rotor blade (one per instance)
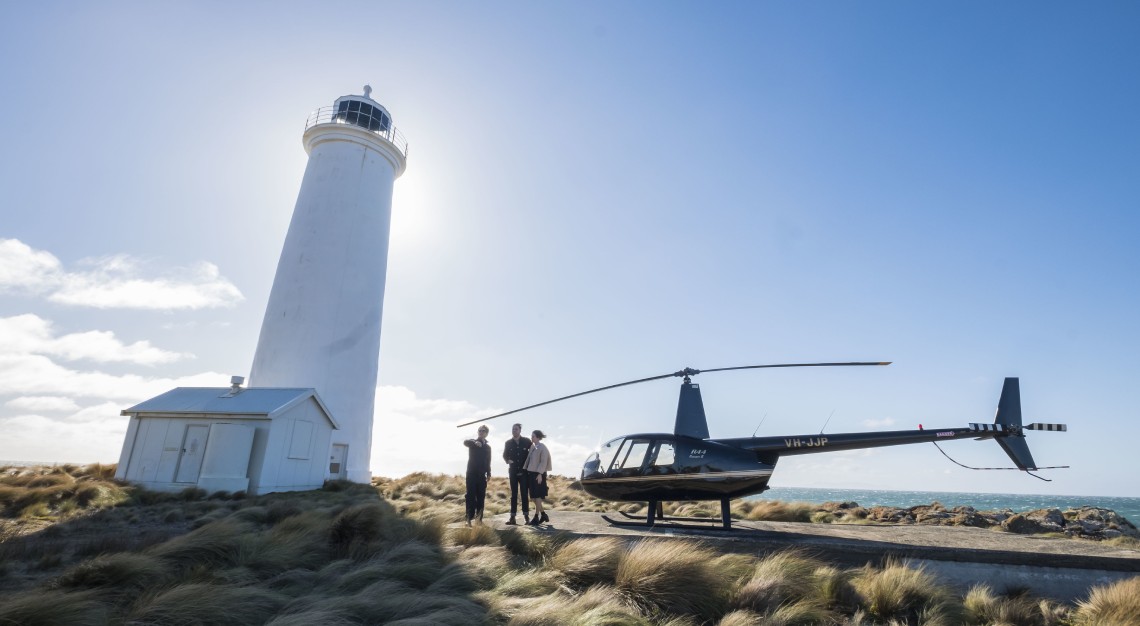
(688, 371)
(632, 382)
(756, 367)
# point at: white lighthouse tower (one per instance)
(322, 323)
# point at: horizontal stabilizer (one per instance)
(1057, 428)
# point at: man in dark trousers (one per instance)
(515, 455)
(478, 471)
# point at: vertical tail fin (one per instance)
(691, 420)
(1009, 415)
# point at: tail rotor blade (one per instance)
(1056, 428)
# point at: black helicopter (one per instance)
(689, 466)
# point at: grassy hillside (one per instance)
(76, 547)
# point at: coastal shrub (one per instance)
(673, 577)
(585, 562)
(52, 607)
(1116, 603)
(906, 593)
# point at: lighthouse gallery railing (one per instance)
(382, 127)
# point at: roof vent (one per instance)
(235, 387)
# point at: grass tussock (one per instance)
(589, 561)
(194, 604)
(908, 594)
(688, 585)
(1117, 603)
(776, 511)
(983, 606)
(52, 607)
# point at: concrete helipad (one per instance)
(1060, 568)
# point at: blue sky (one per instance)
(598, 192)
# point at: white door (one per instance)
(193, 445)
(336, 461)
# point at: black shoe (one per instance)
(511, 522)
(533, 522)
(544, 517)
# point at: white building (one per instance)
(230, 439)
(322, 323)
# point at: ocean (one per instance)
(1128, 507)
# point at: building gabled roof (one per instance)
(252, 401)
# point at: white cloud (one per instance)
(42, 403)
(419, 434)
(113, 282)
(879, 423)
(90, 435)
(34, 374)
(31, 334)
(25, 269)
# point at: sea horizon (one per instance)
(1129, 507)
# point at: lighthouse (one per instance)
(322, 324)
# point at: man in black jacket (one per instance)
(515, 455)
(478, 471)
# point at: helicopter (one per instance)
(688, 465)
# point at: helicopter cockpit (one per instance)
(632, 456)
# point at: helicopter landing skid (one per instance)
(657, 519)
(667, 518)
(686, 522)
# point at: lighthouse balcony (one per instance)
(362, 115)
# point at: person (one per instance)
(478, 472)
(515, 454)
(537, 465)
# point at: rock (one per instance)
(1021, 525)
(1111, 533)
(1090, 527)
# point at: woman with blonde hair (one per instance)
(537, 465)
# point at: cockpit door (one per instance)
(629, 458)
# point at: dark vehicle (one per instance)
(687, 465)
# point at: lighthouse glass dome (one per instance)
(363, 114)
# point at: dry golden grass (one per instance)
(59, 491)
(776, 511)
(351, 554)
(673, 577)
(588, 561)
(1117, 603)
(906, 593)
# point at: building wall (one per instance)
(297, 448)
(287, 453)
